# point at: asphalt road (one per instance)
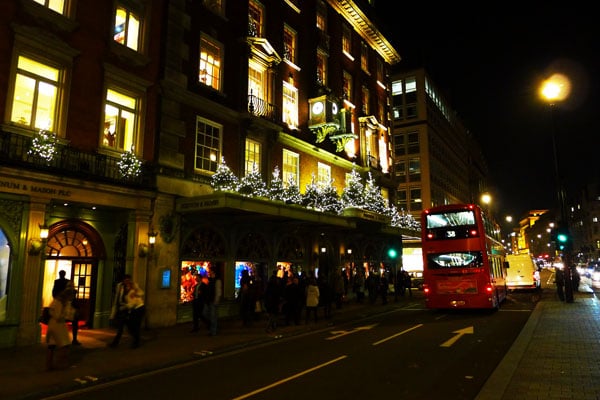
(409, 353)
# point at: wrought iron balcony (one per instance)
(70, 162)
(260, 108)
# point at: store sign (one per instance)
(15, 186)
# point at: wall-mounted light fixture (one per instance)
(152, 237)
(37, 244)
(323, 250)
(144, 249)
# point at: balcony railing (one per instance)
(70, 162)
(260, 108)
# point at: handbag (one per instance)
(45, 317)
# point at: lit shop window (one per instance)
(127, 28)
(35, 100)
(120, 120)
(208, 145)
(54, 5)
(210, 63)
(193, 273)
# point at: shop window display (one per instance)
(191, 272)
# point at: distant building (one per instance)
(436, 159)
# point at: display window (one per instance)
(191, 273)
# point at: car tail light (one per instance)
(489, 288)
(425, 288)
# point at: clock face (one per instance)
(317, 108)
(334, 108)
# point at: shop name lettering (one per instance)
(200, 204)
(34, 189)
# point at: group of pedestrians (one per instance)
(207, 295)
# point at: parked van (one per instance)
(522, 272)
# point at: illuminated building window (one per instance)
(321, 68)
(290, 105)
(347, 41)
(209, 72)
(364, 57)
(59, 6)
(208, 145)
(252, 156)
(347, 86)
(35, 101)
(323, 174)
(322, 16)
(289, 44)
(120, 120)
(291, 167)
(366, 99)
(127, 28)
(255, 18)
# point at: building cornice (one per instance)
(366, 29)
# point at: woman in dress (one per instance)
(57, 335)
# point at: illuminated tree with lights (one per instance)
(292, 193)
(252, 184)
(312, 196)
(330, 199)
(276, 189)
(223, 178)
(374, 200)
(353, 193)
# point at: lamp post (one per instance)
(554, 90)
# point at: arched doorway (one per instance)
(74, 247)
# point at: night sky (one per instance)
(489, 64)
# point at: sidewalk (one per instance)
(556, 355)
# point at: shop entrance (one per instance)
(71, 249)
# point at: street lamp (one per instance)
(554, 90)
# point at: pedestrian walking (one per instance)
(312, 298)
(57, 335)
(339, 288)
(272, 301)
(292, 300)
(200, 294)
(214, 292)
(128, 310)
(400, 286)
(247, 300)
(59, 286)
(408, 283)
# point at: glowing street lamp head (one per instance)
(556, 88)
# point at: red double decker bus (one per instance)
(463, 258)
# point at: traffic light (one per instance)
(563, 239)
(392, 253)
